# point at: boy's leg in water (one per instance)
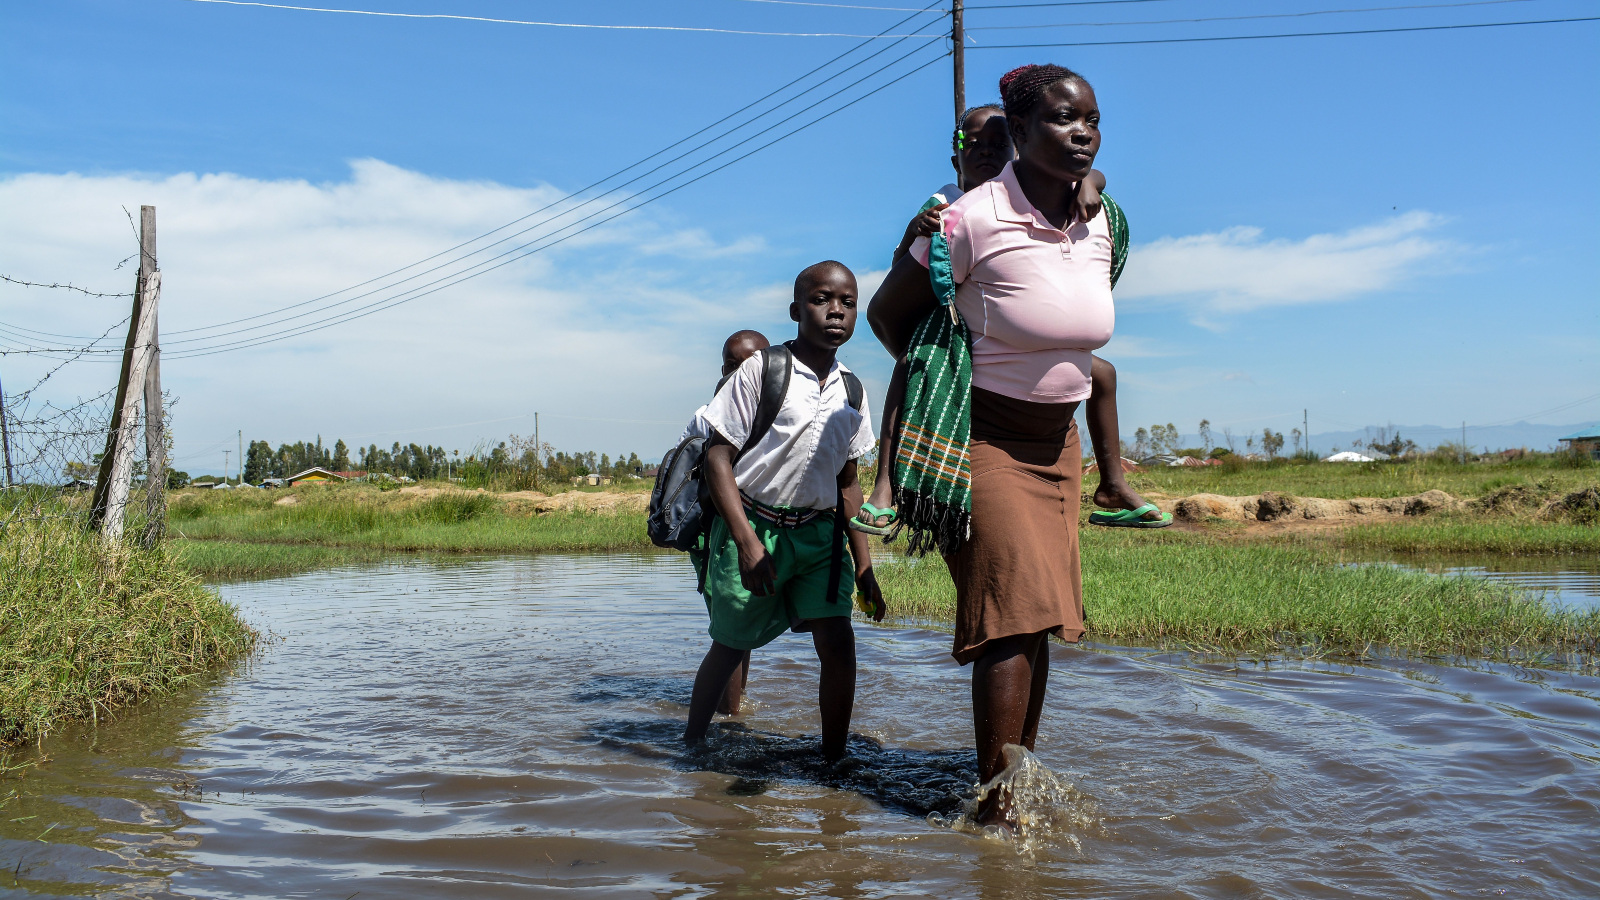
(1007, 694)
(1101, 411)
(709, 685)
(883, 485)
(835, 641)
(733, 694)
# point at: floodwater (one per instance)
(507, 728)
(1567, 579)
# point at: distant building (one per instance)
(315, 475)
(272, 483)
(1128, 465)
(1586, 441)
(1348, 456)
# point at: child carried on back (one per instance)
(772, 561)
(982, 148)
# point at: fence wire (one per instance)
(52, 446)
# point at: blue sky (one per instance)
(1393, 228)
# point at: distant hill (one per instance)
(1481, 438)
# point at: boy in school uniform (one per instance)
(772, 546)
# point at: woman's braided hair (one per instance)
(1021, 88)
(960, 134)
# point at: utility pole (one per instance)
(1463, 442)
(1305, 429)
(225, 465)
(5, 436)
(958, 40)
(241, 455)
(114, 480)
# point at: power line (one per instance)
(1262, 37)
(581, 25)
(587, 188)
(425, 290)
(1293, 15)
(1043, 5)
(837, 5)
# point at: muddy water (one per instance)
(506, 728)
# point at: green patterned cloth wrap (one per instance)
(933, 472)
(933, 467)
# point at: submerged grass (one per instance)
(1462, 535)
(85, 629)
(1201, 592)
(219, 561)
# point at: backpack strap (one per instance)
(777, 364)
(853, 391)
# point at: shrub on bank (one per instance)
(85, 630)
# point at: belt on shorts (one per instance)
(781, 517)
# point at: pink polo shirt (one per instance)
(1037, 299)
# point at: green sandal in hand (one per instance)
(1131, 518)
(866, 520)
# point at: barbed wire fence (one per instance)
(82, 460)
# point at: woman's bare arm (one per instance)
(904, 299)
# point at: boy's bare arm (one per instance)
(756, 569)
(860, 549)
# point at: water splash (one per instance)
(1045, 807)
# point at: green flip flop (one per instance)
(1130, 518)
(872, 514)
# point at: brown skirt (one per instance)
(1017, 573)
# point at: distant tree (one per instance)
(341, 456)
(258, 462)
(1295, 433)
(79, 471)
(1141, 444)
(177, 479)
(1271, 442)
(1205, 434)
(1227, 436)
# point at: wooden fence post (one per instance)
(155, 438)
(5, 436)
(113, 481)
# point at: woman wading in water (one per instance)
(1034, 287)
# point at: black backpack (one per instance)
(680, 504)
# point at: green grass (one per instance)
(85, 630)
(1463, 535)
(1206, 593)
(359, 517)
(1339, 481)
(220, 561)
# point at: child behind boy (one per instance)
(982, 148)
(740, 346)
(772, 548)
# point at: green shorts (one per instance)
(801, 556)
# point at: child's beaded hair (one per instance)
(959, 137)
(1021, 88)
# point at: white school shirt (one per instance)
(698, 426)
(796, 463)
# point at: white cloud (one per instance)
(612, 335)
(1235, 270)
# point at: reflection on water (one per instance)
(1569, 579)
(507, 728)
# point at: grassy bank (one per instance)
(86, 630)
(1464, 535)
(361, 517)
(1341, 481)
(1199, 591)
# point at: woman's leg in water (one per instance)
(1104, 436)
(883, 484)
(733, 694)
(1008, 687)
